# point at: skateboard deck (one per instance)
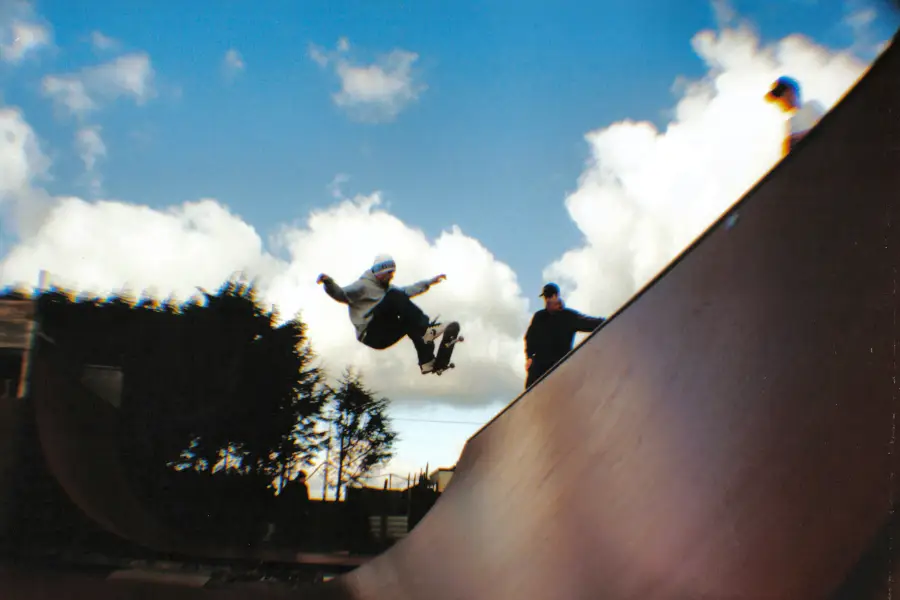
(445, 350)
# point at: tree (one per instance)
(360, 433)
(184, 377)
(280, 373)
(212, 386)
(256, 394)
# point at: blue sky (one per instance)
(493, 142)
(493, 145)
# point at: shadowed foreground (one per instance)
(78, 435)
(728, 434)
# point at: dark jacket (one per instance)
(551, 334)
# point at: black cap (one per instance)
(550, 289)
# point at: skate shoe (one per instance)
(433, 331)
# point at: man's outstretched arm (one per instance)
(420, 287)
(342, 295)
(584, 323)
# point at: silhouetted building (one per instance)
(441, 477)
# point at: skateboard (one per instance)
(445, 350)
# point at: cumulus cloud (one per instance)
(374, 92)
(103, 43)
(90, 148)
(201, 244)
(233, 63)
(864, 18)
(89, 145)
(861, 18)
(645, 194)
(86, 91)
(335, 186)
(83, 93)
(21, 158)
(21, 32)
(23, 166)
(171, 251)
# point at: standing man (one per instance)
(383, 314)
(551, 333)
(785, 94)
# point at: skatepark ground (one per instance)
(728, 433)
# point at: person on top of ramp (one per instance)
(551, 333)
(383, 313)
(803, 115)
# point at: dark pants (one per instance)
(537, 370)
(397, 316)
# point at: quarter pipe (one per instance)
(727, 434)
(78, 435)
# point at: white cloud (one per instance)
(103, 43)
(23, 165)
(318, 56)
(21, 31)
(83, 93)
(375, 92)
(202, 244)
(335, 186)
(862, 17)
(233, 63)
(21, 158)
(646, 194)
(724, 12)
(171, 251)
(87, 90)
(90, 148)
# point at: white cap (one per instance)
(384, 263)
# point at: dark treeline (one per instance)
(224, 411)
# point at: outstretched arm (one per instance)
(343, 295)
(420, 287)
(584, 323)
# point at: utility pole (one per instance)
(327, 457)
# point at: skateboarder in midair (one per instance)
(383, 314)
(551, 333)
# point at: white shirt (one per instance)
(805, 117)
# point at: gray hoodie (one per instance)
(364, 294)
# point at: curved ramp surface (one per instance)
(78, 432)
(727, 434)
